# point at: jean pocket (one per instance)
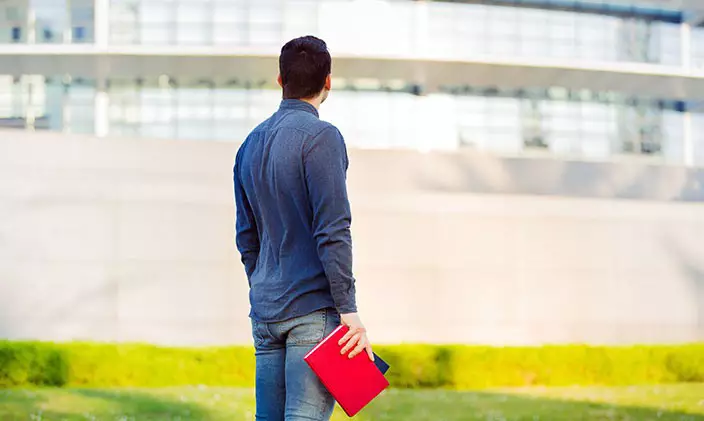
(260, 333)
(309, 329)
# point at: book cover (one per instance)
(355, 382)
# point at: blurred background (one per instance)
(524, 174)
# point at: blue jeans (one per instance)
(286, 388)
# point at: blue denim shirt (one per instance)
(293, 215)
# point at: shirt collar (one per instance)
(297, 104)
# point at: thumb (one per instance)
(370, 352)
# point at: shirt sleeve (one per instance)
(325, 162)
(247, 235)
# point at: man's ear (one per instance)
(281, 82)
(328, 82)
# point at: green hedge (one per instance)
(413, 366)
(25, 363)
(97, 365)
(462, 367)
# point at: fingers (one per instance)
(357, 349)
(355, 342)
(351, 343)
(350, 333)
(362, 345)
(347, 336)
(370, 352)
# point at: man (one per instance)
(293, 233)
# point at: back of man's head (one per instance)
(304, 65)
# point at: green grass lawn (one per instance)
(669, 402)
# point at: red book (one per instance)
(352, 382)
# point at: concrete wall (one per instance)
(132, 240)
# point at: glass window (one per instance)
(640, 128)
(11, 17)
(82, 21)
(562, 126)
(698, 47)
(79, 114)
(341, 113)
(402, 119)
(54, 105)
(301, 17)
(60, 21)
(124, 22)
(33, 92)
(230, 25)
(533, 40)
(562, 32)
(567, 122)
(401, 39)
(669, 38)
(471, 28)
(124, 108)
(672, 134)
(503, 125)
(579, 123)
(262, 103)
(596, 127)
(265, 23)
(339, 26)
(11, 110)
(597, 37)
(698, 138)
(158, 105)
(157, 22)
(81, 14)
(443, 29)
(12, 13)
(372, 114)
(471, 112)
(442, 33)
(194, 22)
(533, 23)
(158, 111)
(46, 15)
(636, 41)
(532, 124)
(195, 110)
(502, 31)
(51, 20)
(230, 112)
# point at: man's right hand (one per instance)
(356, 338)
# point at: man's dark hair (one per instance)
(304, 64)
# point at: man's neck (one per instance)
(315, 102)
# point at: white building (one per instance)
(586, 79)
(121, 229)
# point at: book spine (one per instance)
(323, 341)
